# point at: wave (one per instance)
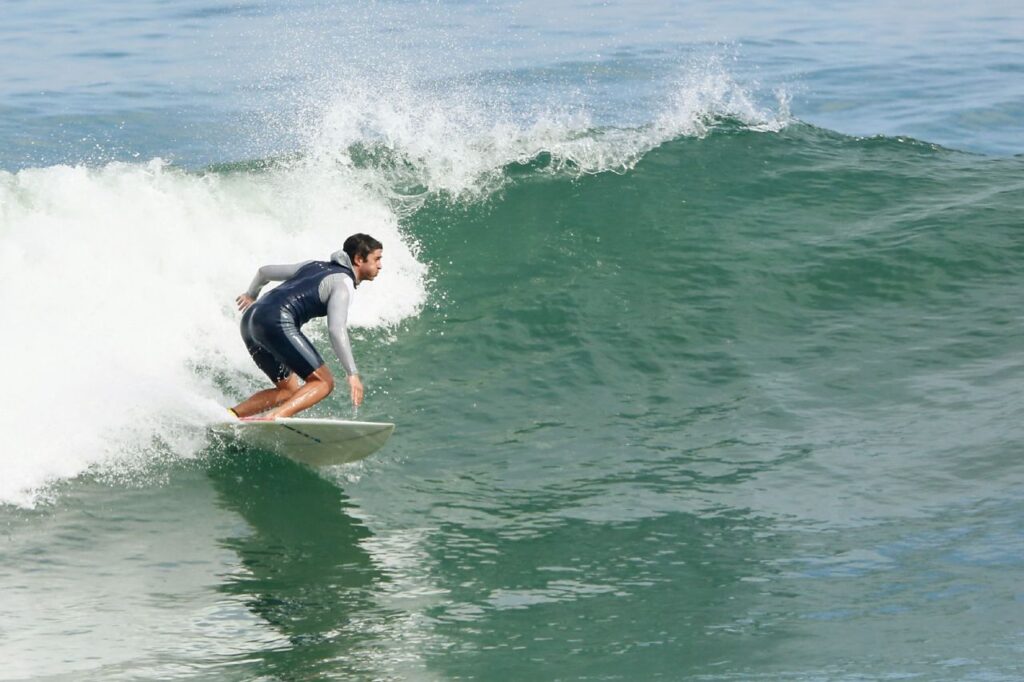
(120, 278)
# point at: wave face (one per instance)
(759, 295)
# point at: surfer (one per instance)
(271, 327)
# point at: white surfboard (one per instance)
(316, 442)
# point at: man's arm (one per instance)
(272, 273)
(266, 274)
(337, 327)
(338, 299)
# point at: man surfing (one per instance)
(271, 327)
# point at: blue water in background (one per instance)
(201, 83)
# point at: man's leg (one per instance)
(271, 397)
(318, 386)
(285, 381)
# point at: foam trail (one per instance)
(118, 283)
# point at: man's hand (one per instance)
(244, 301)
(357, 389)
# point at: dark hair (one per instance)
(360, 245)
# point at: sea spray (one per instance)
(456, 139)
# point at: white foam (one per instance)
(117, 287)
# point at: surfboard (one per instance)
(316, 442)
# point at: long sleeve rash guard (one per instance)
(335, 291)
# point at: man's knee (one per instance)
(287, 387)
(324, 375)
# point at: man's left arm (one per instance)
(337, 328)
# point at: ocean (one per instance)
(700, 324)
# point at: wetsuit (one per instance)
(271, 327)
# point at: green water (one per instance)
(749, 410)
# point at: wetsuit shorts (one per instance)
(276, 344)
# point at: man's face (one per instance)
(369, 268)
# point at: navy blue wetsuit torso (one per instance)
(271, 325)
(300, 294)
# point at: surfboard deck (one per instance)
(316, 442)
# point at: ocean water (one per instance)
(700, 323)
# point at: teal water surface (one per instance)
(701, 389)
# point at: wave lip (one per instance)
(453, 140)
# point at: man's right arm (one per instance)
(268, 273)
(272, 273)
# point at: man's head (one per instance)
(365, 253)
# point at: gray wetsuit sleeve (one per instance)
(272, 273)
(335, 292)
